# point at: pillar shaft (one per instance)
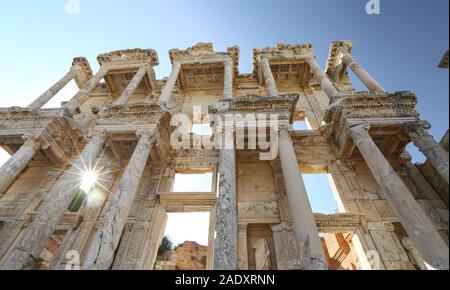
(228, 80)
(50, 93)
(84, 92)
(415, 221)
(305, 228)
(436, 155)
(170, 84)
(225, 249)
(361, 73)
(325, 82)
(101, 252)
(17, 163)
(132, 86)
(36, 235)
(268, 77)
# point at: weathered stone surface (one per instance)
(261, 216)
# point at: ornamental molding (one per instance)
(137, 55)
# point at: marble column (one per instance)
(228, 80)
(170, 84)
(100, 254)
(304, 224)
(36, 235)
(17, 163)
(73, 105)
(361, 73)
(325, 83)
(435, 153)
(417, 224)
(132, 86)
(50, 93)
(242, 246)
(268, 77)
(225, 248)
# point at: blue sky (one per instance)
(401, 47)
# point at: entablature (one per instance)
(385, 113)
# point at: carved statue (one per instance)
(262, 255)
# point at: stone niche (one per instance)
(255, 233)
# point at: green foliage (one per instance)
(77, 201)
(166, 245)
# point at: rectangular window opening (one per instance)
(193, 182)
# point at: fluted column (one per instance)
(305, 228)
(17, 163)
(50, 93)
(361, 73)
(170, 84)
(132, 86)
(101, 252)
(325, 83)
(225, 249)
(31, 244)
(436, 155)
(419, 227)
(84, 92)
(228, 80)
(268, 77)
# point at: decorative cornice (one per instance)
(131, 110)
(371, 105)
(83, 63)
(255, 104)
(199, 49)
(333, 56)
(282, 51)
(23, 114)
(138, 55)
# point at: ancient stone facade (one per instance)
(391, 214)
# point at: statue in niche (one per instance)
(262, 255)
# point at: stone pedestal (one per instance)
(101, 252)
(50, 93)
(436, 155)
(32, 242)
(225, 249)
(305, 228)
(17, 163)
(361, 73)
(268, 77)
(325, 83)
(132, 86)
(81, 96)
(417, 224)
(170, 84)
(228, 80)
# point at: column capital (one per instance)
(228, 61)
(35, 141)
(284, 132)
(359, 131)
(176, 65)
(99, 133)
(417, 129)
